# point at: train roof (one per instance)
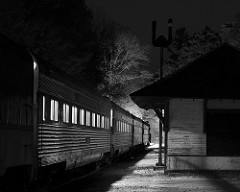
(80, 85)
(116, 106)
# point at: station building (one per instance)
(201, 120)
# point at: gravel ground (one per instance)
(138, 175)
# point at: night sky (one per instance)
(192, 14)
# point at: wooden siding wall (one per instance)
(203, 163)
(223, 104)
(186, 136)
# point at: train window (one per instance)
(102, 122)
(111, 118)
(117, 125)
(65, 113)
(54, 110)
(98, 120)
(93, 119)
(43, 108)
(74, 115)
(106, 122)
(82, 117)
(88, 118)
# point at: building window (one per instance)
(74, 115)
(65, 113)
(88, 118)
(82, 116)
(222, 129)
(54, 110)
(93, 119)
(43, 108)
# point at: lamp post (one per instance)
(161, 42)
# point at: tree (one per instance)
(186, 48)
(58, 31)
(122, 60)
(230, 32)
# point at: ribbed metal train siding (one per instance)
(122, 139)
(71, 144)
(137, 136)
(75, 145)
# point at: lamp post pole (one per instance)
(161, 42)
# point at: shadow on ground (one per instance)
(102, 180)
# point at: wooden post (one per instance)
(160, 123)
(161, 63)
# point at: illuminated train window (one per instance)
(119, 126)
(102, 121)
(82, 117)
(93, 119)
(111, 118)
(43, 108)
(74, 115)
(65, 113)
(98, 120)
(54, 110)
(106, 122)
(117, 122)
(88, 118)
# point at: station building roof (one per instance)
(215, 75)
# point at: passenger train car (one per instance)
(49, 122)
